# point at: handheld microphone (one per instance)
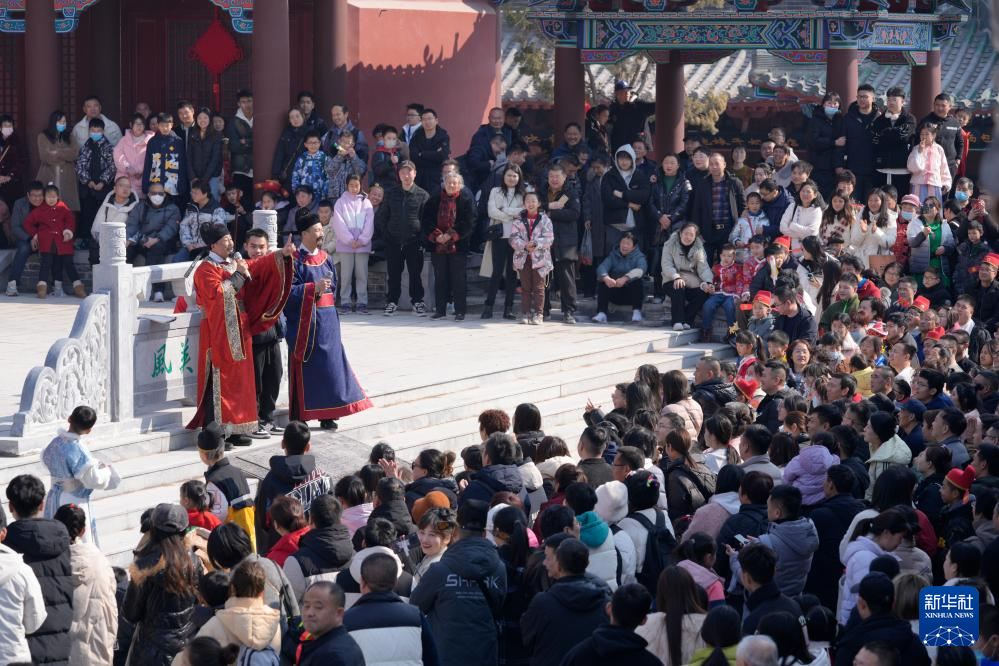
(238, 257)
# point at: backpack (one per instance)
(620, 563)
(658, 547)
(250, 657)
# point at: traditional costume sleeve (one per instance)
(266, 294)
(217, 291)
(299, 311)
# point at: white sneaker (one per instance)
(636, 315)
(525, 319)
(57, 291)
(12, 288)
(686, 327)
(158, 297)
(600, 318)
(677, 327)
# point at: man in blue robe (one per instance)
(321, 384)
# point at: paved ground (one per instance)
(388, 354)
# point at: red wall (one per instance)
(441, 53)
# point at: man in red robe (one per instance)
(238, 299)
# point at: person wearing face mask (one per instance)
(95, 171)
(389, 153)
(975, 209)
(827, 142)
(151, 229)
(13, 164)
(893, 135)
(57, 151)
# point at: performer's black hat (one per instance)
(211, 437)
(212, 233)
(305, 220)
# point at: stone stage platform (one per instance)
(428, 381)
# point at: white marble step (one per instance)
(566, 408)
(452, 403)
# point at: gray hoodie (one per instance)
(794, 541)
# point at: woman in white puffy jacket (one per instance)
(874, 230)
(872, 538)
(803, 219)
(505, 205)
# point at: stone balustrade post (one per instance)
(113, 276)
(268, 221)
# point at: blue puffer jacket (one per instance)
(618, 265)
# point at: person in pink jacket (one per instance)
(354, 224)
(928, 166)
(807, 472)
(130, 153)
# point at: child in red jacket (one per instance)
(52, 227)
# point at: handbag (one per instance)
(494, 232)
(586, 249)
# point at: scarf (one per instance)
(446, 215)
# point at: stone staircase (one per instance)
(429, 413)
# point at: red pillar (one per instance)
(324, 61)
(570, 92)
(841, 74)
(670, 95)
(271, 82)
(41, 70)
(925, 85)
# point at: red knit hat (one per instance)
(784, 240)
(747, 387)
(991, 258)
(921, 303)
(764, 297)
(961, 478)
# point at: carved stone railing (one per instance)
(76, 372)
(114, 359)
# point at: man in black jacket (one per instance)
(878, 624)
(949, 134)
(775, 202)
(718, 201)
(400, 219)
(499, 471)
(986, 294)
(711, 392)
(428, 148)
(617, 642)
(858, 126)
(797, 322)
(293, 473)
(749, 521)
(462, 594)
(324, 550)
(757, 567)
(560, 201)
(267, 366)
(570, 610)
(893, 133)
(44, 543)
(627, 116)
(832, 517)
(774, 384)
